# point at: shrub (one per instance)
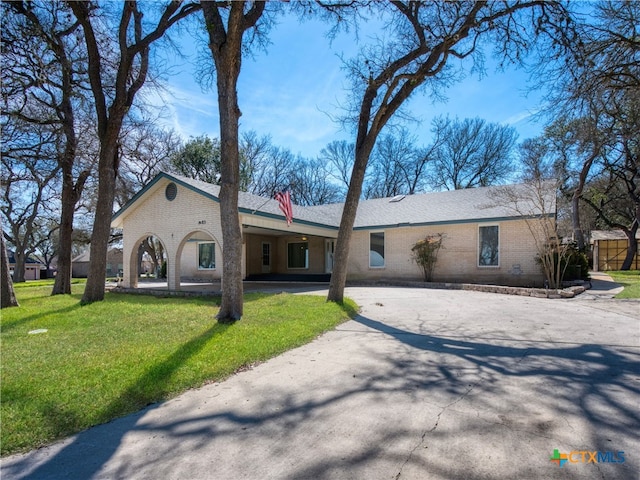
(425, 254)
(577, 265)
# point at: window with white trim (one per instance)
(376, 249)
(206, 255)
(489, 246)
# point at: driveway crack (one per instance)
(435, 426)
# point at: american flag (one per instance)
(284, 199)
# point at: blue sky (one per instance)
(292, 91)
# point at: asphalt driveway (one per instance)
(424, 384)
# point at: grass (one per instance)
(100, 361)
(630, 280)
(42, 283)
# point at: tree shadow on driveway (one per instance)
(375, 401)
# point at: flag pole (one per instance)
(258, 208)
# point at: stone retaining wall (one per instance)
(568, 292)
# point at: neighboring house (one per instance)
(609, 249)
(80, 264)
(32, 267)
(483, 242)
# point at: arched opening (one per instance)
(148, 262)
(198, 259)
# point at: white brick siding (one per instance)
(458, 257)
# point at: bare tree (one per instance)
(44, 83)
(113, 98)
(146, 150)
(255, 157)
(424, 38)
(574, 145)
(535, 160)
(594, 83)
(275, 172)
(311, 185)
(472, 153)
(615, 193)
(534, 202)
(338, 157)
(397, 166)
(386, 176)
(226, 25)
(46, 238)
(29, 167)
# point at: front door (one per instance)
(329, 250)
(266, 257)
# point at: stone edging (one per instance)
(568, 292)
(166, 293)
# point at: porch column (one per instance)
(173, 270)
(129, 267)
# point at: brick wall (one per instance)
(189, 216)
(192, 216)
(458, 257)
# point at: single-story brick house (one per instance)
(609, 248)
(484, 242)
(32, 267)
(80, 263)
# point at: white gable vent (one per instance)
(397, 198)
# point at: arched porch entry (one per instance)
(198, 259)
(147, 261)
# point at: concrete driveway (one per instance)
(424, 384)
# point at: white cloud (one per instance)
(521, 117)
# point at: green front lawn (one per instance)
(104, 360)
(630, 280)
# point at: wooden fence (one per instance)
(611, 254)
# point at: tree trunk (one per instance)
(578, 234)
(231, 307)
(632, 246)
(7, 294)
(62, 284)
(341, 256)
(107, 170)
(19, 269)
(225, 45)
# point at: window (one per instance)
(206, 256)
(488, 246)
(171, 191)
(298, 255)
(376, 249)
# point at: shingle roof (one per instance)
(86, 255)
(250, 203)
(610, 235)
(11, 259)
(458, 206)
(469, 205)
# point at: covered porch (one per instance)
(275, 252)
